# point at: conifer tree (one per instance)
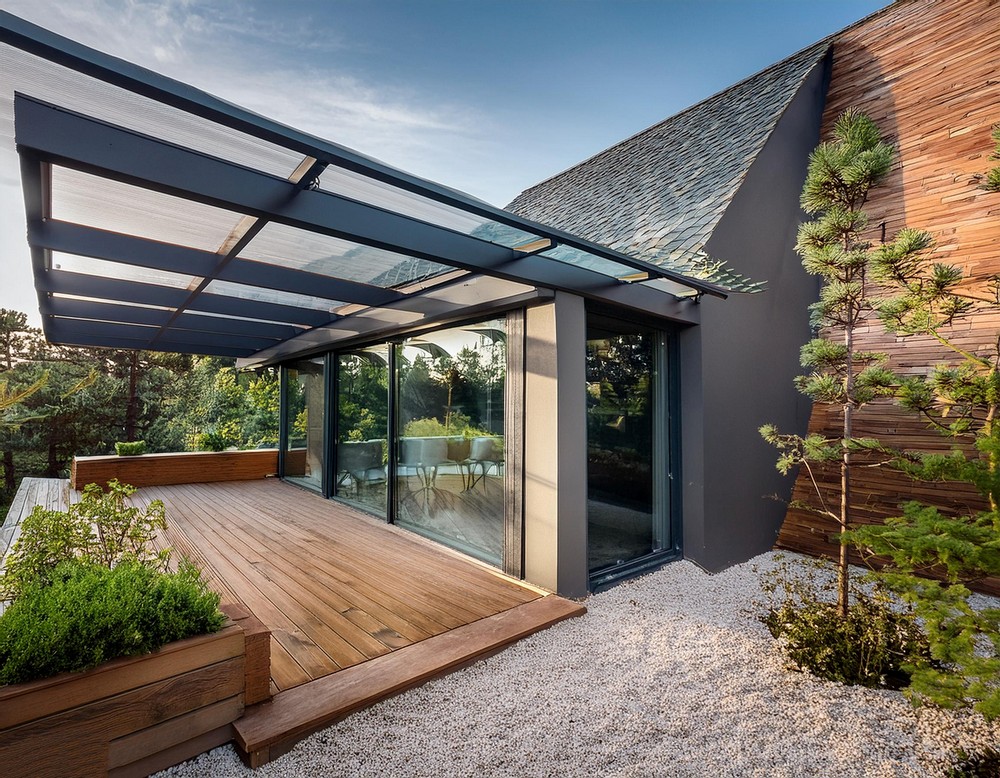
(834, 246)
(961, 398)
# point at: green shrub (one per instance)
(871, 646)
(211, 441)
(975, 764)
(133, 449)
(459, 424)
(88, 614)
(102, 528)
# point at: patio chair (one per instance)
(360, 462)
(484, 453)
(423, 456)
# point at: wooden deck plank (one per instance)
(340, 593)
(335, 586)
(306, 638)
(317, 568)
(272, 727)
(356, 644)
(294, 546)
(355, 573)
(437, 570)
(370, 567)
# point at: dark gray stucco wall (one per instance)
(737, 367)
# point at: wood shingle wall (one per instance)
(928, 73)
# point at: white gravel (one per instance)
(666, 675)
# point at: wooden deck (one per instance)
(358, 610)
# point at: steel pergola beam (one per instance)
(63, 137)
(141, 252)
(157, 317)
(122, 291)
(68, 53)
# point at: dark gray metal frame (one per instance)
(50, 135)
(667, 442)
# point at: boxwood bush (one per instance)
(85, 586)
(88, 614)
(130, 448)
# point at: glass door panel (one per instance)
(362, 427)
(450, 448)
(305, 419)
(626, 434)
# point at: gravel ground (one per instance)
(666, 675)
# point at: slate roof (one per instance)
(659, 194)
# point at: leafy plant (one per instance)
(992, 183)
(872, 646)
(85, 614)
(212, 441)
(101, 529)
(130, 449)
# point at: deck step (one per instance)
(270, 729)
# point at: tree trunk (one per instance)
(9, 480)
(53, 464)
(132, 406)
(843, 581)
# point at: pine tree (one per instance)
(834, 246)
(961, 398)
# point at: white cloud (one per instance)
(273, 68)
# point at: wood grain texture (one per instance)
(269, 730)
(927, 72)
(334, 587)
(25, 702)
(76, 740)
(180, 468)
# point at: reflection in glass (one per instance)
(450, 454)
(362, 427)
(304, 404)
(626, 514)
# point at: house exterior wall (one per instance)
(737, 367)
(926, 72)
(555, 446)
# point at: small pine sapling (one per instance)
(841, 174)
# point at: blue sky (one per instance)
(488, 97)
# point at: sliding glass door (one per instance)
(362, 451)
(627, 451)
(305, 422)
(449, 452)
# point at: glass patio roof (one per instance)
(160, 217)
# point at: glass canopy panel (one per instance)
(53, 83)
(263, 295)
(104, 269)
(109, 205)
(368, 190)
(84, 298)
(572, 256)
(279, 244)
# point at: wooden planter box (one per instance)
(134, 716)
(198, 467)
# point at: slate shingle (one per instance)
(659, 194)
